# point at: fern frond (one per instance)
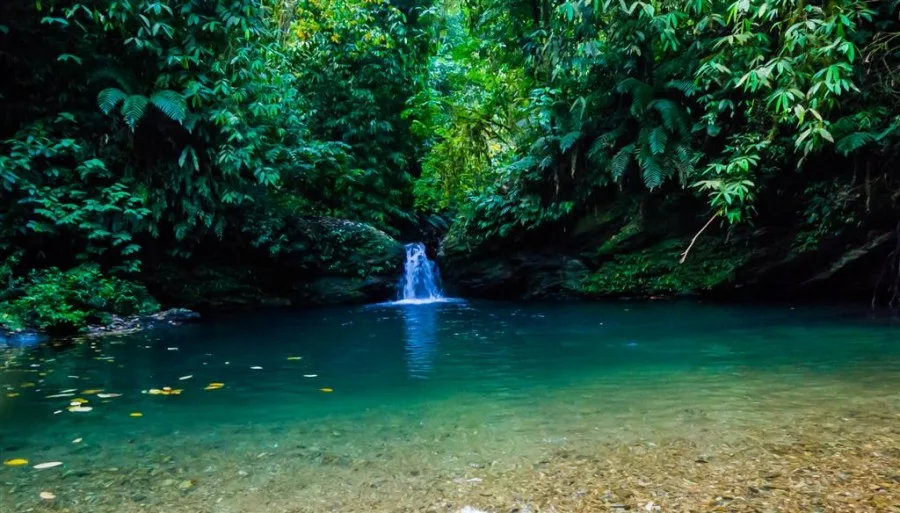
(852, 142)
(172, 104)
(684, 163)
(641, 94)
(568, 141)
(658, 139)
(687, 87)
(672, 115)
(620, 162)
(133, 109)
(110, 98)
(602, 143)
(651, 171)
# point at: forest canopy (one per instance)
(139, 135)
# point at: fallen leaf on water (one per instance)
(182, 378)
(26, 385)
(108, 396)
(57, 396)
(326, 389)
(12, 394)
(77, 440)
(92, 391)
(295, 357)
(47, 496)
(214, 386)
(310, 375)
(154, 391)
(135, 414)
(79, 409)
(69, 391)
(49, 464)
(256, 367)
(79, 400)
(16, 462)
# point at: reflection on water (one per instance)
(420, 337)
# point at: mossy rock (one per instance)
(656, 270)
(335, 261)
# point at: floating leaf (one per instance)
(256, 367)
(79, 409)
(108, 396)
(310, 375)
(79, 400)
(58, 396)
(47, 496)
(12, 394)
(135, 414)
(182, 378)
(49, 464)
(327, 390)
(77, 440)
(294, 358)
(16, 462)
(214, 386)
(92, 391)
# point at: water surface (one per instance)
(340, 409)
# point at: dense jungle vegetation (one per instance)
(219, 152)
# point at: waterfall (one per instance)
(421, 279)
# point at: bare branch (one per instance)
(705, 226)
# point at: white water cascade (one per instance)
(421, 281)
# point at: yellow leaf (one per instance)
(91, 391)
(16, 462)
(326, 389)
(135, 414)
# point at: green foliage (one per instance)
(716, 97)
(67, 301)
(140, 130)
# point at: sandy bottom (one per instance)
(700, 444)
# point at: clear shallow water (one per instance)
(418, 392)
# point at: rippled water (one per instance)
(392, 397)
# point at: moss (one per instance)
(656, 270)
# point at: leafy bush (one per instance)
(67, 301)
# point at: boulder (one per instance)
(335, 261)
(519, 275)
(313, 261)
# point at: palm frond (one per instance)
(110, 98)
(620, 162)
(658, 139)
(170, 103)
(133, 109)
(852, 142)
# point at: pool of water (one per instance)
(427, 407)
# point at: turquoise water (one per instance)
(317, 405)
